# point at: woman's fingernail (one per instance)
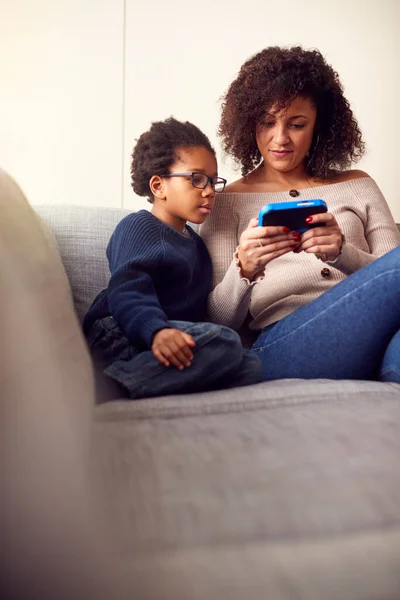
(286, 229)
(309, 220)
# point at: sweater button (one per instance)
(294, 193)
(325, 273)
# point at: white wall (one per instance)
(180, 61)
(82, 81)
(61, 92)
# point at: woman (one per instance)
(323, 303)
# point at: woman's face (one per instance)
(285, 138)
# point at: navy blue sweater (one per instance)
(157, 275)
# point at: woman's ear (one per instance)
(156, 185)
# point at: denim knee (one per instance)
(251, 367)
(391, 259)
(230, 337)
(206, 332)
(223, 343)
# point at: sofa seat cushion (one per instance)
(280, 486)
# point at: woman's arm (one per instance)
(229, 300)
(366, 222)
(239, 259)
(380, 230)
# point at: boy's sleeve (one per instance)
(135, 254)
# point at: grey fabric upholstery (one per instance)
(82, 234)
(46, 414)
(287, 490)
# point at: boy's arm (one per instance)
(133, 302)
(135, 254)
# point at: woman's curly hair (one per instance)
(156, 151)
(273, 78)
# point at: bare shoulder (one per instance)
(342, 176)
(236, 186)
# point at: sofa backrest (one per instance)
(82, 234)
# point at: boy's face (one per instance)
(182, 201)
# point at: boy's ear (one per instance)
(156, 184)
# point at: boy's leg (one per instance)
(107, 343)
(218, 357)
(247, 373)
(347, 333)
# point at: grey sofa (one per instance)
(286, 490)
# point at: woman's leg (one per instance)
(390, 367)
(219, 361)
(347, 333)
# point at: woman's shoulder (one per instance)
(237, 186)
(246, 186)
(350, 175)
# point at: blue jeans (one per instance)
(349, 332)
(219, 361)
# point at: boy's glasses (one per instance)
(200, 180)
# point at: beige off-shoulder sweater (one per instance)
(292, 280)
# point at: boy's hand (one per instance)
(173, 347)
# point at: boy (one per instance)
(147, 327)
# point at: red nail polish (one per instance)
(286, 229)
(309, 220)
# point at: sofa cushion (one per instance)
(82, 234)
(281, 490)
(46, 404)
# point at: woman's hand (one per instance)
(171, 346)
(325, 242)
(259, 245)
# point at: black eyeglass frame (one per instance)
(210, 180)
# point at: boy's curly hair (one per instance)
(156, 151)
(273, 78)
